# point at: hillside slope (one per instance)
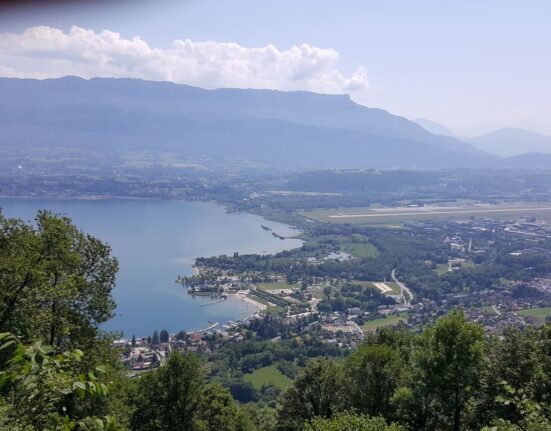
(292, 129)
(512, 142)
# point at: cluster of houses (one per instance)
(495, 307)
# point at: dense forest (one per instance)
(60, 371)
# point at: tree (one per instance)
(164, 337)
(263, 418)
(38, 386)
(181, 335)
(218, 411)
(56, 281)
(314, 393)
(372, 374)
(241, 390)
(351, 422)
(156, 339)
(133, 341)
(517, 368)
(447, 359)
(168, 398)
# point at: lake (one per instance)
(155, 241)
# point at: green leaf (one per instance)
(7, 344)
(79, 385)
(101, 369)
(104, 388)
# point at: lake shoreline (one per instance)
(155, 239)
(227, 207)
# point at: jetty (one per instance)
(214, 302)
(208, 328)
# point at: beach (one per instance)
(246, 298)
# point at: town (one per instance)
(348, 281)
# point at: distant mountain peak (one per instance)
(511, 141)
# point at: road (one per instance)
(403, 288)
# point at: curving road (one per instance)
(403, 289)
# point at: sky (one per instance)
(471, 65)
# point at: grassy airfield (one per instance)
(397, 215)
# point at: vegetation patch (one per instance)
(360, 250)
(276, 286)
(266, 376)
(441, 268)
(392, 320)
(540, 314)
(394, 288)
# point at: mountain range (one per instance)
(504, 142)
(297, 130)
(508, 142)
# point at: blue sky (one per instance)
(471, 65)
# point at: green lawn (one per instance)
(276, 286)
(268, 375)
(537, 313)
(360, 250)
(441, 268)
(384, 321)
(316, 292)
(394, 286)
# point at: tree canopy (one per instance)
(56, 281)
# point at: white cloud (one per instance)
(45, 52)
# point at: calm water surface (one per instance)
(155, 241)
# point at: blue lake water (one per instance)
(155, 241)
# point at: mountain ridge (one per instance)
(511, 141)
(294, 128)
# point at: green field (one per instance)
(384, 216)
(394, 286)
(441, 268)
(268, 375)
(537, 313)
(276, 286)
(360, 250)
(384, 321)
